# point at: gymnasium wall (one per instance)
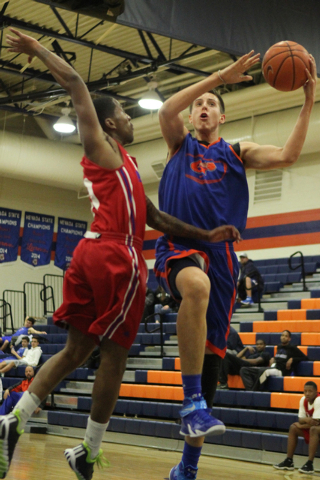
(33, 197)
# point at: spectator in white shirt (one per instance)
(32, 358)
(308, 426)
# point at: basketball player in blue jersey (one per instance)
(204, 183)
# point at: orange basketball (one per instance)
(284, 66)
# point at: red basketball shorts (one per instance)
(104, 289)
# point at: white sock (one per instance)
(94, 435)
(26, 406)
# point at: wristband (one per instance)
(220, 76)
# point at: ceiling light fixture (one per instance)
(64, 124)
(151, 99)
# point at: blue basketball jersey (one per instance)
(205, 186)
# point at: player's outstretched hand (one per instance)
(223, 233)
(310, 86)
(235, 73)
(22, 43)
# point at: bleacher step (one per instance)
(141, 363)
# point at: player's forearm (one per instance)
(181, 100)
(65, 75)
(293, 146)
(171, 225)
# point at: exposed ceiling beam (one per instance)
(7, 21)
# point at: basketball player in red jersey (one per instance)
(203, 276)
(104, 288)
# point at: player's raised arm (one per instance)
(92, 136)
(173, 226)
(269, 156)
(170, 117)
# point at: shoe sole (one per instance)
(306, 473)
(4, 447)
(216, 430)
(283, 468)
(71, 459)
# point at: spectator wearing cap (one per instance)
(250, 283)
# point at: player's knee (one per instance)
(293, 429)
(196, 287)
(314, 431)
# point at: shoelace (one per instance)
(102, 462)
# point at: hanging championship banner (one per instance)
(9, 234)
(69, 234)
(37, 239)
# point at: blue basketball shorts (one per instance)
(220, 263)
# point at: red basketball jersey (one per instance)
(117, 197)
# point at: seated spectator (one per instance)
(149, 304)
(32, 358)
(13, 394)
(167, 302)
(231, 364)
(308, 426)
(22, 352)
(250, 283)
(27, 329)
(234, 343)
(286, 359)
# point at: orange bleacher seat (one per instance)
(164, 377)
(293, 326)
(285, 400)
(157, 392)
(316, 368)
(292, 314)
(235, 381)
(303, 349)
(296, 384)
(248, 338)
(310, 303)
(177, 364)
(310, 338)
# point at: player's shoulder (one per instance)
(317, 401)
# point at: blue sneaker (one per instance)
(180, 472)
(247, 302)
(196, 420)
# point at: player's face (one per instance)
(310, 393)
(123, 124)
(24, 343)
(34, 343)
(29, 373)
(285, 338)
(259, 345)
(206, 114)
(28, 323)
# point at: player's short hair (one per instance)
(25, 338)
(288, 331)
(32, 320)
(105, 107)
(219, 97)
(261, 340)
(311, 384)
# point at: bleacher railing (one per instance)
(17, 300)
(160, 327)
(55, 282)
(33, 293)
(5, 312)
(300, 265)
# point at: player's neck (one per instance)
(207, 137)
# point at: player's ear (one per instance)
(190, 119)
(222, 118)
(110, 124)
